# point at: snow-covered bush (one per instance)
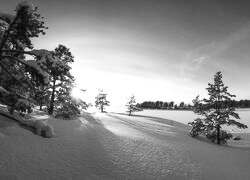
(43, 129)
(40, 127)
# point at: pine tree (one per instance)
(215, 112)
(132, 106)
(67, 106)
(18, 75)
(101, 101)
(59, 72)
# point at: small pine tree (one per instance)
(215, 112)
(131, 105)
(101, 101)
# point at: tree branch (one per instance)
(8, 72)
(18, 51)
(16, 59)
(6, 69)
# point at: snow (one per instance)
(39, 64)
(41, 127)
(35, 65)
(188, 116)
(116, 146)
(45, 57)
(40, 52)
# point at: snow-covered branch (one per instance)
(33, 64)
(15, 58)
(19, 51)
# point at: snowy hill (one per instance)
(116, 146)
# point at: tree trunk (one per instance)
(102, 108)
(41, 105)
(52, 99)
(218, 134)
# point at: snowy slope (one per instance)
(115, 146)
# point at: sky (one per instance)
(164, 50)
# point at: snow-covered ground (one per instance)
(116, 146)
(188, 116)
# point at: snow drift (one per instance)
(40, 127)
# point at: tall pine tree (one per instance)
(60, 75)
(215, 112)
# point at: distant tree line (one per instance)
(239, 104)
(184, 106)
(163, 105)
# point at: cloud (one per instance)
(199, 60)
(206, 54)
(190, 66)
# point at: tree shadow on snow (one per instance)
(89, 118)
(8, 121)
(157, 119)
(202, 139)
(157, 131)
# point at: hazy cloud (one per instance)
(193, 61)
